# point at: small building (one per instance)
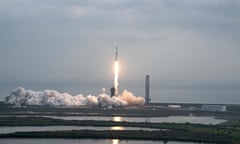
(214, 108)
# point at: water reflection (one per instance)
(84, 141)
(171, 119)
(117, 119)
(115, 141)
(117, 128)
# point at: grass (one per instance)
(171, 135)
(228, 133)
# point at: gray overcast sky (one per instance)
(75, 40)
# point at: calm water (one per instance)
(170, 92)
(170, 119)
(175, 119)
(82, 141)
(4, 130)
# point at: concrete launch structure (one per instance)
(147, 89)
(112, 91)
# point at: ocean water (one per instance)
(164, 92)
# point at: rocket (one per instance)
(116, 54)
(114, 89)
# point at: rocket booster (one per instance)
(116, 73)
(116, 55)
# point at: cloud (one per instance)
(77, 11)
(47, 39)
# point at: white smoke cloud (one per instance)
(131, 99)
(21, 96)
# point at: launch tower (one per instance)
(147, 87)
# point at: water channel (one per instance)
(85, 141)
(170, 119)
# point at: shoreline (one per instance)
(174, 135)
(116, 112)
(227, 133)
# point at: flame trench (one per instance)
(116, 74)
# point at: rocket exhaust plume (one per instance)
(116, 73)
(21, 96)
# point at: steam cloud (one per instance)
(21, 96)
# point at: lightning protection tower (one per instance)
(147, 89)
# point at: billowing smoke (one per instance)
(21, 96)
(131, 99)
